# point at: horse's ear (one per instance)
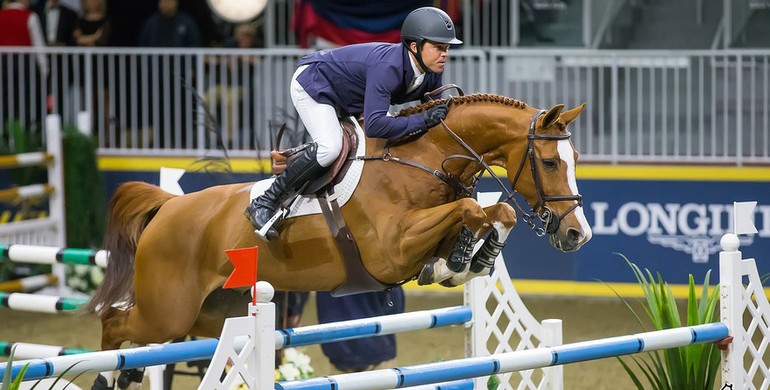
(570, 115)
(552, 115)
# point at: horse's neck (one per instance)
(483, 129)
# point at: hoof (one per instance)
(101, 383)
(435, 271)
(448, 283)
(426, 275)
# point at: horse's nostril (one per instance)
(574, 236)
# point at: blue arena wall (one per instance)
(668, 219)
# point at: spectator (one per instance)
(170, 28)
(21, 27)
(234, 83)
(366, 353)
(124, 16)
(93, 29)
(58, 22)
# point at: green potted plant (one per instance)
(692, 367)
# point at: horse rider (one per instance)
(359, 79)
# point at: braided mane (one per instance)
(472, 98)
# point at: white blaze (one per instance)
(566, 153)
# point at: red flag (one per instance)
(245, 262)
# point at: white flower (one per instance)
(303, 362)
(97, 275)
(289, 372)
(289, 354)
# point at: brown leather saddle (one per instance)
(335, 173)
(358, 280)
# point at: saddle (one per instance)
(334, 174)
(358, 279)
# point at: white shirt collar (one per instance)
(418, 75)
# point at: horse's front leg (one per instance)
(501, 218)
(426, 228)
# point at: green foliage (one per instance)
(14, 384)
(493, 382)
(84, 206)
(690, 367)
(7, 384)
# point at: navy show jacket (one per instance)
(366, 79)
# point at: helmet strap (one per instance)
(418, 56)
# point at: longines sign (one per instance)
(693, 228)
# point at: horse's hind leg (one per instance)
(113, 336)
(119, 326)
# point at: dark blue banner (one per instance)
(670, 227)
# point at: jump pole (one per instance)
(513, 361)
(204, 349)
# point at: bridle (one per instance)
(548, 219)
(540, 218)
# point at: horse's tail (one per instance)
(132, 207)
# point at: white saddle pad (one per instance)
(305, 205)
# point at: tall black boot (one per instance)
(286, 185)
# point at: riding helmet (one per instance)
(428, 23)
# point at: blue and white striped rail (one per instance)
(204, 349)
(52, 255)
(513, 361)
(376, 326)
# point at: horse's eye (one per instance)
(550, 164)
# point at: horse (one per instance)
(167, 252)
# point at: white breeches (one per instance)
(320, 120)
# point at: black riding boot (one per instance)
(286, 185)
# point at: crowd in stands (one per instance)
(191, 23)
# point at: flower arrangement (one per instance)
(84, 278)
(296, 365)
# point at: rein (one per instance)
(461, 190)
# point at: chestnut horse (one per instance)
(167, 255)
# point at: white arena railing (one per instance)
(643, 106)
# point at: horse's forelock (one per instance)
(472, 98)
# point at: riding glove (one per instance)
(435, 114)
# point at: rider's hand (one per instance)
(435, 114)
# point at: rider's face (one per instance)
(434, 55)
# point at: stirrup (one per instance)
(262, 233)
